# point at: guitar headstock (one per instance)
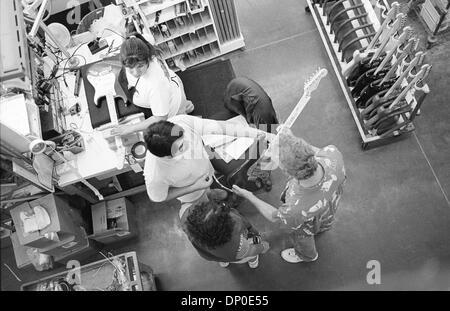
(313, 82)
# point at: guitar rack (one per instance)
(365, 19)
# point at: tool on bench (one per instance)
(76, 90)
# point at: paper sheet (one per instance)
(214, 140)
(237, 148)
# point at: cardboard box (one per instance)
(113, 220)
(62, 222)
(60, 248)
(5, 238)
(20, 252)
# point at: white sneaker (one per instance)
(224, 264)
(290, 256)
(253, 263)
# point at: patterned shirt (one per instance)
(312, 209)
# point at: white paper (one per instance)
(237, 148)
(13, 113)
(214, 140)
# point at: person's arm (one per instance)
(264, 208)
(125, 129)
(174, 192)
(208, 126)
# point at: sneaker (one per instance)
(290, 256)
(224, 264)
(253, 263)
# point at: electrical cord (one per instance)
(101, 35)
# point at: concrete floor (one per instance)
(395, 208)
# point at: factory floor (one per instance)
(395, 208)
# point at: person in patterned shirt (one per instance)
(311, 196)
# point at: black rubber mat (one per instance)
(205, 86)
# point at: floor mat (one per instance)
(205, 85)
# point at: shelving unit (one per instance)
(340, 65)
(190, 34)
(434, 15)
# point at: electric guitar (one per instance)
(102, 78)
(392, 109)
(310, 85)
(380, 71)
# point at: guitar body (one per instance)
(374, 102)
(103, 79)
(367, 78)
(363, 66)
(384, 113)
(371, 90)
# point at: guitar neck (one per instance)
(297, 110)
(112, 109)
(113, 117)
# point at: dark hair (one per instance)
(136, 49)
(210, 224)
(160, 136)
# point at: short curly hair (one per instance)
(210, 224)
(296, 156)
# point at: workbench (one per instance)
(98, 159)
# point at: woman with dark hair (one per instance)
(151, 84)
(219, 233)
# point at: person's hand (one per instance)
(242, 192)
(270, 137)
(121, 130)
(261, 135)
(267, 162)
(203, 182)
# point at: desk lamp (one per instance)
(38, 23)
(39, 146)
